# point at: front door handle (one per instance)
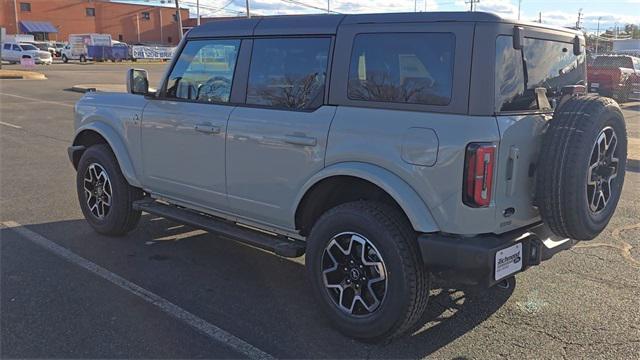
(297, 139)
(208, 129)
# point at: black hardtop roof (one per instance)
(328, 24)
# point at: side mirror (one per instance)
(577, 49)
(518, 37)
(137, 82)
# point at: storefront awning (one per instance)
(37, 27)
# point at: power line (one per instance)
(299, 3)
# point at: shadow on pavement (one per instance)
(633, 165)
(262, 298)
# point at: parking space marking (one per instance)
(10, 125)
(38, 100)
(208, 329)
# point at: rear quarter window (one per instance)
(541, 63)
(414, 68)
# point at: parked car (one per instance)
(13, 52)
(58, 46)
(616, 76)
(44, 46)
(386, 147)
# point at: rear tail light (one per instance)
(478, 174)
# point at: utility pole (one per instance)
(179, 18)
(598, 34)
(138, 26)
(198, 12)
(160, 16)
(471, 2)
(579, 19)
(15, 11)
(328, 6)
(248, 10)
(519, 5)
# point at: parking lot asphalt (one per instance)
(584, 303)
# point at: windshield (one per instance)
(613, 62)
(26, 47)
(541, 63)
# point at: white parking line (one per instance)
(37, 100)
(10, 125)
(210, 330)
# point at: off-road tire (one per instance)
(408, 281)
(121, 217)
(563, 166)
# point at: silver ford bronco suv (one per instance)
(385, 147)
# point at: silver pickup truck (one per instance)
(385, 147)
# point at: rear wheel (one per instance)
(83, 58)
(106, 199)
(582, 166)
(366, 271)
(65, 59)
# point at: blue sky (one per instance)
(556, 12)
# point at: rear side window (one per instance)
(7, 46)
(541, 63)
(613, 62)
(412, 68)
(204, 71)
(288, 73)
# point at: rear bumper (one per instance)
(472, 260)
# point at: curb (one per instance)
(82, 89)
(36, 76)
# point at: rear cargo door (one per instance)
(547, 63)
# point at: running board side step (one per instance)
(280, 245)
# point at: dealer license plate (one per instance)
(508, 261)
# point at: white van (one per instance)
(76, 49)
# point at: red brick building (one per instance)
(56, 19)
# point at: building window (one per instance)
(120, 38)
(169, 40)
(175, 17)
(91, 12)
(146, 15)
(25, 6)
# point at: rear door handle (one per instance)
(208, 129)
(303, 140)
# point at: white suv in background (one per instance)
(13, 52)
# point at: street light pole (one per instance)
(598, 34)
(248, 10)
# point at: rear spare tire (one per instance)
(581, 167)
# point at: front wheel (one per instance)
(65, 59)
(106, 199)
(365, 268)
